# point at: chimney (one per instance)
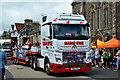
(12, 27)
(28, 22)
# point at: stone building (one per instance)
(103, 18)
(31, 30)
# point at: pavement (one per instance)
(15, 72)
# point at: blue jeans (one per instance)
(118, 62)
(2, 73)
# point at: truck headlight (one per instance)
(58, 60)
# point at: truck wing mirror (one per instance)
(89, 36)
(43, 38)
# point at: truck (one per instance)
(6, 46)
(65, 45)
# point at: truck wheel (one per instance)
(34, 63)
(27, 61)
(81, 72)
(30, 61)
(47, 68)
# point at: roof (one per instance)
(63, 18)
(19, 26)
(76, 1)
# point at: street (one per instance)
(25, 72)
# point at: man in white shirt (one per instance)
(97, 57)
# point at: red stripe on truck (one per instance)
(73, 43)
(49, 43)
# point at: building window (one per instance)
(106, 17)
(39, 32)
(93, 20)
(84, 13)
(99, 4)
(98, 17)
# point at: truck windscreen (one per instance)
(70, 32)
(6, 45)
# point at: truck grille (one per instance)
(76, 64)
(76, 59)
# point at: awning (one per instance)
(94, 44)
(110, 44)
(99, 42)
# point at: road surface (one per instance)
(14, 72)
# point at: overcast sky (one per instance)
(12, 11)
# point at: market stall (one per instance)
(113, 43)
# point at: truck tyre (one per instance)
(27, 60)
(30, 61)
(34, 63)
(81, 72)
(47, 67)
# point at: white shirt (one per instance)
(96, 54)
(89, 53)
(118, 53)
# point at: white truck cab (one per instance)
(65, 40)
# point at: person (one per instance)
(93, 58)
(77, 34)
(35, 44)
(29, 44)
(110, 58)
(118, 59)
(102, 60)
(97, 57)
(106, 59)
(89, 54)
(3, 61)
(100, 55)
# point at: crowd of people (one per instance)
(102, 58)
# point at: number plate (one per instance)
(75, 68)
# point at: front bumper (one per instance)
(58, 68)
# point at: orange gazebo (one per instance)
(110, 44)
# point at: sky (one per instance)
(16, 11)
